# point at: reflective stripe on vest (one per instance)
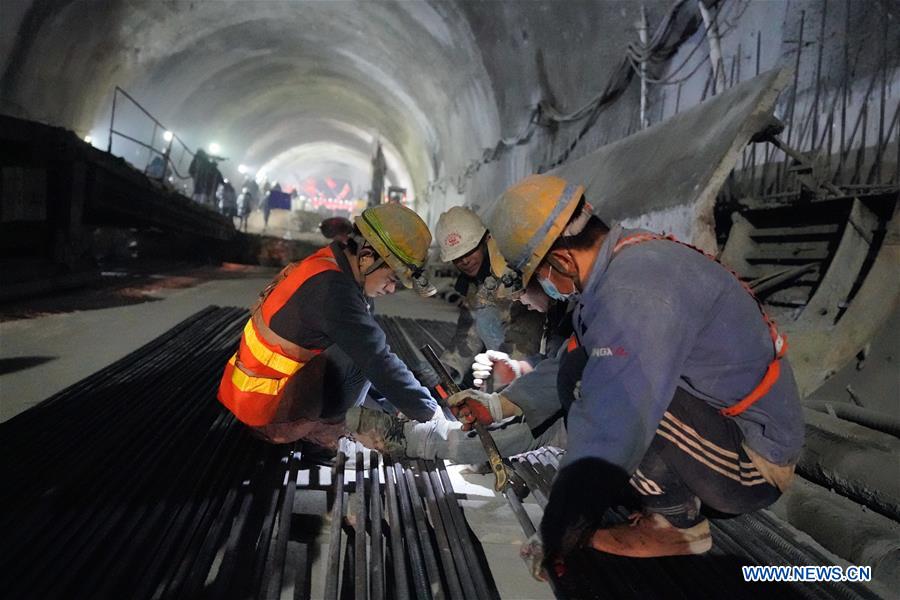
(265, 356)
(258, 372)
(245, 382)
(779, 342)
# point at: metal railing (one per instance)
(173, 164)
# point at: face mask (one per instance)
(551, 290)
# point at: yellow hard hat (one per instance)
(529, 216)
(399, 236)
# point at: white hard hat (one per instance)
(458, 231)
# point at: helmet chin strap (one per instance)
(364, 251)
(375, 266)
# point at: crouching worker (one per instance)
(686, 397)
(525, 415)
(489, 319)
(312, 349)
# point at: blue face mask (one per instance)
(551, 290)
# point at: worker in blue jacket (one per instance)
(686, 397)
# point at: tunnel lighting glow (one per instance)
(242, 169)
(168, 135)
(215, 148)
(88, 139)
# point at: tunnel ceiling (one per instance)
(268, 81)
(303, 86)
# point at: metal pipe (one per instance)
(820, 50)
(451, 576)
(526, 473)
(376, 571)
(361, 569)
(398, 562)
(112, 120)
(454, 534)
(417, 564)
(337, 516)
(782, 166)
(431, 566)
(475, 570)
(275, 568)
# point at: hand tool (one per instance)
(503, 472)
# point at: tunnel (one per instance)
(169, 165)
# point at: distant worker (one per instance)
(158, 168)
(312, 349)
(251, 188)
(244, 204)
(265, 205)
(227, 199)
(206, 175)
(686, 394)
(337, 229)
(489, 319)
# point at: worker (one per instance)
(338, 229)
(525, 415)
(686, 394)
(489, 317)
(494, 368)
(312, 349)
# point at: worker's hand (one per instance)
(470, 406)
(504, 368)
(581, 494)
(532, 552)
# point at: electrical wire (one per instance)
(657, 50)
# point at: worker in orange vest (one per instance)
(311, 349)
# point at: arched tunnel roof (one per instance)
(271, 82)
(280, 83)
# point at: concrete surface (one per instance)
(303, 88)
(80, 343)
(55, 351)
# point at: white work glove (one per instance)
(474, 405)
(439, 414)
(505, 369)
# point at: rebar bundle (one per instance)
(136, 483)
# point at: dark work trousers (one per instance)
(695, 459)
(316, 400)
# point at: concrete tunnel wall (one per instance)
(282, 83)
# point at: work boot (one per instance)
(650, 535)
(377, 430)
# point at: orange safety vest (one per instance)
(779, 342)
(254, 378)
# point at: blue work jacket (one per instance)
(658, 315)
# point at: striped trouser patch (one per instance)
(722, 461)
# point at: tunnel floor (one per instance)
(135, 481)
